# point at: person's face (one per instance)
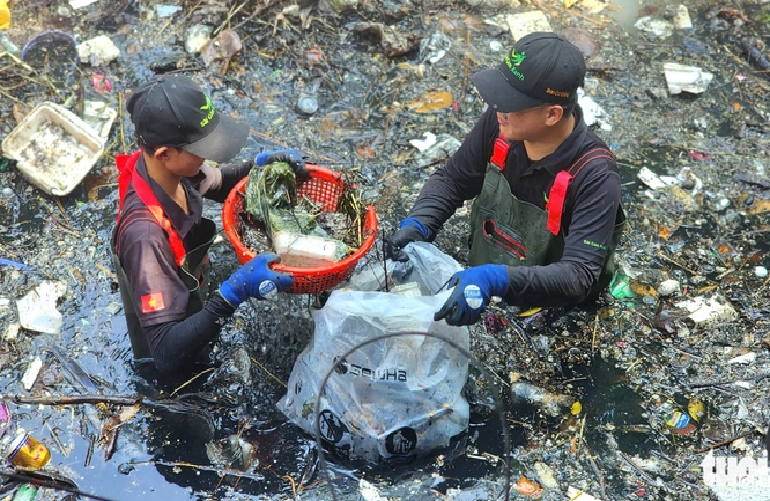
(178, 161)
(529, 124)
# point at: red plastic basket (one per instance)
(324, 188)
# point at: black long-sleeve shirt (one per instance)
(146, 257)
(590, 210)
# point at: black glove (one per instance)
(290, 157)
(411, 230)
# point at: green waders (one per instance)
(509, 231)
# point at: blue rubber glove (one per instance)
(255, 279)
(473, 288)
(288, 156)
(410, 230)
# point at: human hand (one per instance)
(255, 279)
(288, 156)
(473, 289)
(411, 230)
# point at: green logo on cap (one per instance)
(209, 106)
(513, 60)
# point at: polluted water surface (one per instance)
(625, 398)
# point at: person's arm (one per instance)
(570, 280)
(216, 183)
(160, 298)
(460, 179)
(174, 344)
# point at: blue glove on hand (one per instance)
(255, 279)
(473, 288)
(411, 230)
(288, 156)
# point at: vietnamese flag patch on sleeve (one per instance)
(152, 302)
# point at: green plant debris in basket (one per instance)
(271, 199)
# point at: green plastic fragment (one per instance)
(25, 493)
(620, 286)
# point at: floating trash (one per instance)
(5, 418)
(681, 78)
(27, 452)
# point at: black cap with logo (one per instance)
(172, 110)
(542, 68)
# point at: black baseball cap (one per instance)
(172, 110)
(542, 68)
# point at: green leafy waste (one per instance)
(271, 197)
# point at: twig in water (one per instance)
(58, 442)
(200, 467)
(597, 471)
(269, 373)
(641, 472)
(725, 442)
(230, 15)
(90, 453)
(206, 371)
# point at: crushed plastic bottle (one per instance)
(28, 453)
(678, 419)
(7, 45)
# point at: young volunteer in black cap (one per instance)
(160, 242)
(546, 214)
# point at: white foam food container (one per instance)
(73, 147)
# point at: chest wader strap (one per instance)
(500, 153)
(128, 175)
(558, 192)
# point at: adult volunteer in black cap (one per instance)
(160, 242)
(547, 213)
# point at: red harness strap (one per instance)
(500, 153)
(127, 175)
(558, 192)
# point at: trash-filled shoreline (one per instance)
(632, 397)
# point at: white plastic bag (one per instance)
(393, 398)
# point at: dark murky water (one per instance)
(354, 131)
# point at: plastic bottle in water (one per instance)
(549, 402)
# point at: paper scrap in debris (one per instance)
(79, 4)
(424, 144)
(527, 22)
(592, 112)
(369, 492)
(31, 375)
(708, 310)
(748, 358)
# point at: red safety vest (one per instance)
(127, 175)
